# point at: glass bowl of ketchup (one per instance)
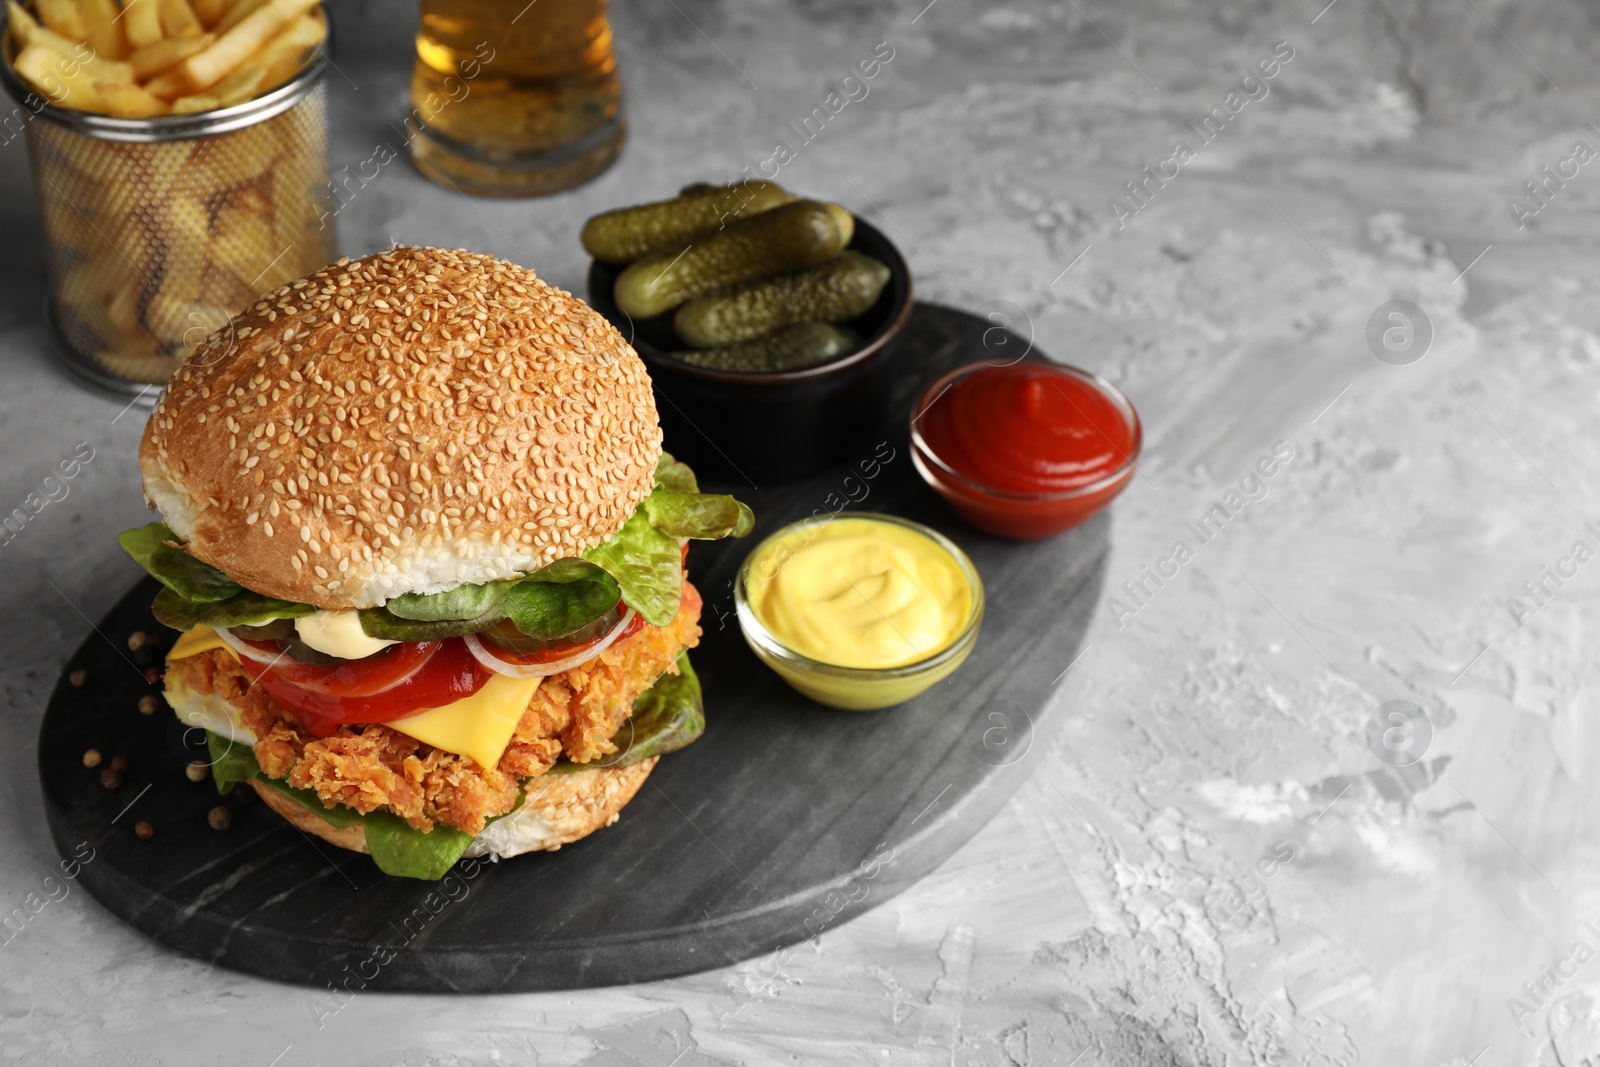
(1025, 450)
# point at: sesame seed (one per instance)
(481, 410)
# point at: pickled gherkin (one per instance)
(782, 239)
(626, 234)
(838, 289)
(804, 345)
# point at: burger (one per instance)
(427, 557)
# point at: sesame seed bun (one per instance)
(557, 809)
(404, 423)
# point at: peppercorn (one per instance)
(198, 771)
(136, 640)
(119, 763)
(110, 779)
(148, 704)
(78, 677)
(219, 817)
(91, 757)
(143, 830)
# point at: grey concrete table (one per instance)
(1234, 857)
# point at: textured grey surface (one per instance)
(1110, 912)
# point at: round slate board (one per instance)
(785, 819)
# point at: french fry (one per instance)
(179, 20)
(122, 310)
(169, 84)
(74, 56)
(253, 197)
(184, 222)
(152, 59)
(195, 103)
(235, 161)
(210, 12)
(130, 101)
(42, 68)
(25, 29)
(179, 322)
(204, 69)
(142, 22)
(285, 54)
(66, 226)
(63, 17)
(105, 33)
(236, 13)
(157, 168)
(241, 85)
(137, 367)
(242, 242)
(83, 159)
(184, 274)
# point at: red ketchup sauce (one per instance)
(1026, 450)
(325, 698)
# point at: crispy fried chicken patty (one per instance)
(374, 766)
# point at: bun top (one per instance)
(404, 423)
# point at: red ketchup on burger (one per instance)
(1025, 450)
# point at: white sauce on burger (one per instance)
(339, 633)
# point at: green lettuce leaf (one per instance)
(232, 762)
(400, 849)
(563, 571)
(379, 623)
(243, 609)
(338, 815)
(703, 516)
(462, 602)
(152, 548)
(549, 609)
(666, 717)
(670, 474)
(648, 566)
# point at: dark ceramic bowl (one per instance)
(780, 426)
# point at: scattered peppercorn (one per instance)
(219, 817)
(152, 675)
(91, 757)
(143, 830)
(110, 779)
(136, 640)
(197, 771)
(78, 677)
(148, 704)
(119, 763)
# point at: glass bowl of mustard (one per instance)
(859, 610)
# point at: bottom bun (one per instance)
(556, 810)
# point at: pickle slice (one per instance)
(786, 238)
(807, 344)
(838, 289)
(624, 235)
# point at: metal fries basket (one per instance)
(160, 230)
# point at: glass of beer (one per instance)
(514, 97)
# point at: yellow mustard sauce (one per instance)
(860, 593)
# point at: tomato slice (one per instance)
(353, 677)
(450, 673)
(559, 652)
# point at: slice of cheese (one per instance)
(198, 640)
(479, 726)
